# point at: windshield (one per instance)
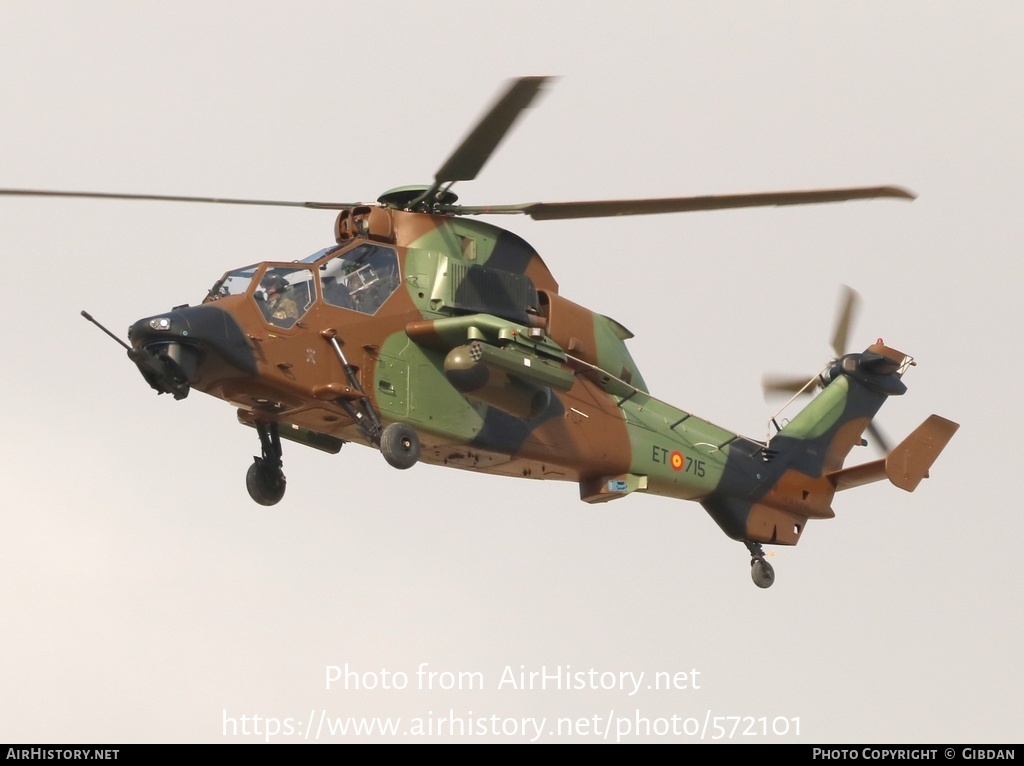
(233, 283)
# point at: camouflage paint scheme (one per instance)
(433, 336)
(497, 372)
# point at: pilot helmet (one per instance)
(274, 283)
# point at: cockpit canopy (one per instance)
(360, 279)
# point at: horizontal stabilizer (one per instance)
(907, 464)
(858, 475)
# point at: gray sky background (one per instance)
(144, 597)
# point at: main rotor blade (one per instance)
(546, 211)
(173, 198)
(844, 320)
(476, 148)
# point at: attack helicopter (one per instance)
(432, 336)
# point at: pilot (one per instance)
(279, 305)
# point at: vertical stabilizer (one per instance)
(767, 496)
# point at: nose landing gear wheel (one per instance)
(400, 446)
(266, 485)
(761, 573)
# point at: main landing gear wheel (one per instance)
(761, 573)
(266, 485)
(400, 446)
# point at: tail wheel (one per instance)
(761, 573)
(400, 446)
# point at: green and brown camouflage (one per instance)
(456, 329)
(443, 339)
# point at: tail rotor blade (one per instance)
(845, 319)
(785, 384)
(880, 441)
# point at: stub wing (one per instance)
(907, 464)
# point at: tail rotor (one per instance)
(793, 385)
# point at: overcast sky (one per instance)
(145, 598)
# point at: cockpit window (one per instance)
(285, 294)
(362, 278)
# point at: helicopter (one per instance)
(435, 337)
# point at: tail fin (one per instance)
(767, 496)
(830, 426)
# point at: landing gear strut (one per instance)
(761, 571)
(265, 479)
(398, 443)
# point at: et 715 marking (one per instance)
(677, 460)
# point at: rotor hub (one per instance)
(403, 196)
